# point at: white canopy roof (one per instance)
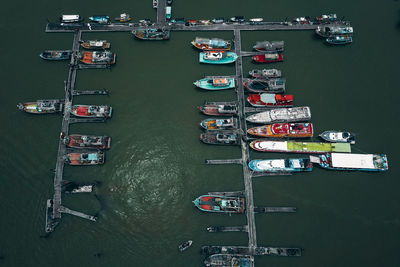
(347, 160)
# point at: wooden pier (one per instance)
(274, 209)
(215, 229)
(259, 251)
(90, 92)
(224, 161)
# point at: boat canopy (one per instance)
(272, 145)
(70, 17)
(92, 156)
(268, 98)
(356, 161)
(271, 164)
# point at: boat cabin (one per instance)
(70, 18)
(219, 82)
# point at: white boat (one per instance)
(256, 20)
(155, 3)
(352, 162)
(281, 115)
(70, 18)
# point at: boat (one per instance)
(219, 123)
(281, 130)
(205, 21)
(220, 138)
(352, 162)
(70, 18)
(218, 20)
(229, 260)
(169, 2)
(281, 165)
(101, 19)
(239, 19)
(89, 111)
(328, 31)
(222, 204)
(184, 246)
(281, 115)
(265, 73)
(98, 58)
(155, 3)
(216, 83)
(217, 57)
(87, 141)
(299, 147)
(47, 106)
(211, 44)
(124, 17)
(270, 100)
(267, 58)
(219, 108)
(56, 54)
(96, 44)
(255, 21)
(269, 47)
(325, 19)
(85, 158)
(338, 137)
(168, 10)
(144, 22)
(339, 40)
(273, 85)
(151, 34)
(301, 20)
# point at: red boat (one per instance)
(270, 100)
(91, 111)
(87, 141)
(283, 130)
(266, 58)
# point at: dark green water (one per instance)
(155, 166)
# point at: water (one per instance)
(155, 166)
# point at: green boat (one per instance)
(299, 147)
(218, 57)
(216, 83)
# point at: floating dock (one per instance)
(215, 229)
(257, 251)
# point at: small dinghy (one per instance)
(338, 137)
(185, 245)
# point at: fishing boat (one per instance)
(273, 85)
(219, 123)
(338, 137)
(270, 100)
(87, 141)
(229, 260)
(325, 19)
(84, 158)
(155, 3)
(220, 138)
(70, 18)
(219, 108)
(184, 246)
(56, 54)
(124, 17)
(216, 83)
(352, 162)
(269, 47)
(267, 58)
(281, 130)
(151, 34)
(281, 115)
(205, 21)
(281, 165)
(217, 57)
(42, 106)
(211, 44)
(238, 19)
(89, 111)
(299, 147)
(218, 20)
(265, 73)
(98, 58)
(339, 40)
(301, 20)
(222, 204)
(327, 31)
(101, 19)
(96, 44)
(256, 21)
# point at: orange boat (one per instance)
(98, 58)
(280, 130)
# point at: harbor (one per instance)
(157, 161)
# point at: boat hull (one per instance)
(338, 137)
(263, 59)
(229, 58)
(299, 147)
(270, 100)
(281, 165)
(220, 138)
(85, 159)
(219, 124)
(220, 204)
(265, 73)
(87, 111)
(281, 115)
(207, 84)
(88, 141)
(352, 162)
(151, 34)
(219, 109)
(281, 130)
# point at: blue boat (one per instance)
(217, 57)
(56, 54)
(281, 165)
(339, 40)
(216, 83)
(100, 19)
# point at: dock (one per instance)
(259, 251)
(215, 229)
(86, 120)
(90, 92)
(223, 161)
(274, 209)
